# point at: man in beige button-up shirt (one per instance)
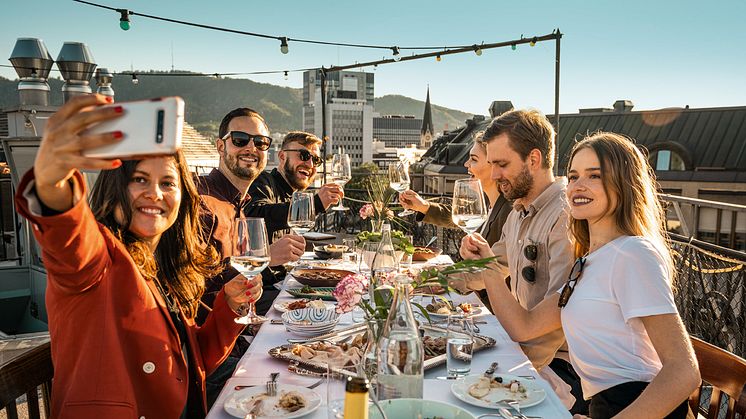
(535, 248)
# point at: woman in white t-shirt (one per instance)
(626, 340)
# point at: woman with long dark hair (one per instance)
(625, 337)
(125, 276)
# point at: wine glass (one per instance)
(469, 210)
(399, 181)
(302, 214)
(250, 257)
(340, 174)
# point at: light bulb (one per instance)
(284, 45)
(134, 79)
(533, 41)
(478, 51)
(513, 47)
(437, 58)
(395, 50)
(286, 75)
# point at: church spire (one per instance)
(427, 118)
(427, 131)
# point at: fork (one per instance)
(272, 384)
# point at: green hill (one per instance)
(443, 118)
(208, 99)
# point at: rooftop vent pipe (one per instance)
(32, 63)
(76, 65)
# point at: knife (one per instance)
(490, 370)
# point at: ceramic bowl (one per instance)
(414, 408)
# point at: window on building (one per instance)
(665, 160)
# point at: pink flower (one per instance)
(349, 292)
(366, 211)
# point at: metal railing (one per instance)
(710, 221)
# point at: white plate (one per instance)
(282, 306)
(240, 402)
(533, 396)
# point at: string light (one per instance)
(286, 75)
(477, 50)
(395, 50)
(134, 79)
(284, 45)
(124, 19)
(533, 41)
(437, 58)
(513, 47)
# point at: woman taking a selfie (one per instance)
(124, 276)
(625, 338)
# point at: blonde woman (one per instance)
(626, 340)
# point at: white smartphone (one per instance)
(151, 128)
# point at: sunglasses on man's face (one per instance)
(241, 139)
(531, 252)
(305, 155)
(572, 280)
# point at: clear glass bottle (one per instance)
(401, 356)
(384, 262)
(369, 362)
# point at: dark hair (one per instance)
(181, 260)
(527, 130)
(303, 138)
(238, 112)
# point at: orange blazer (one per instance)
(115, 350)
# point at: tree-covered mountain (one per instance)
(208, 99)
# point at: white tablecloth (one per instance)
(256, 365)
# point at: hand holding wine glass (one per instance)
(399, 181)
(469, 210)
(250, 258)
(340, 174)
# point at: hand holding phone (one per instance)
(150, 127)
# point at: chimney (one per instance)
(103, 81)
(623, 106)
(76, 65)
(32, 63)
(499, 107)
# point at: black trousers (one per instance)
(611, 401)
(567, 373)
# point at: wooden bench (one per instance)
(24, 374)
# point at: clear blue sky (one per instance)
(656, 53)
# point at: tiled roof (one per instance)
(198, 150)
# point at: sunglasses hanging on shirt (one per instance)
(530, 252)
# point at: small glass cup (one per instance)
(459, 345)
(335, 388)
(350, 255)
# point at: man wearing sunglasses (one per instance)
(299, 159)
(535, 248)
(242, 143)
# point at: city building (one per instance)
(349, 112)
(397, 131)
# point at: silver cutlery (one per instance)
(272, 384)
(517, 407)
(312, 386)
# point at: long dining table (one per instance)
(256, 365)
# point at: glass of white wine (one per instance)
(302, 214)
(250, 258)
(469, 210)
(340, 173)
(399, 181)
